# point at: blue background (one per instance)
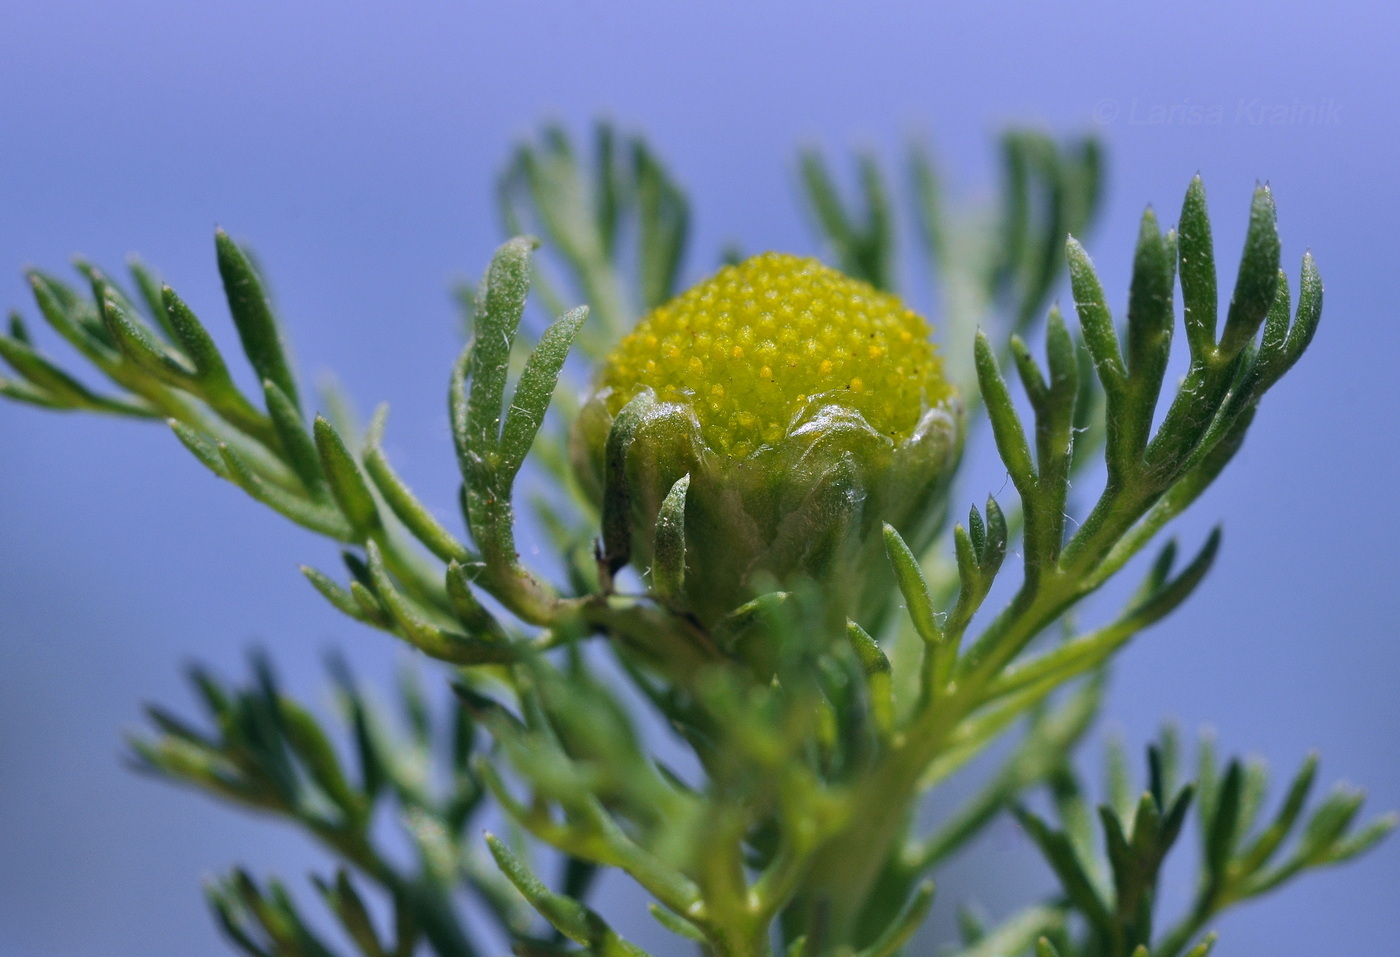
(355, 143)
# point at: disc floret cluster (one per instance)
(751, 347)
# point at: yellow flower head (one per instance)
(749, 349)
(804, 410)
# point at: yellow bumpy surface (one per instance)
(749, 347)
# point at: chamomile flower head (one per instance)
(808, 409)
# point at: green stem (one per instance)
(845, 871)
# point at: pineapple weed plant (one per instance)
(750, 508)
